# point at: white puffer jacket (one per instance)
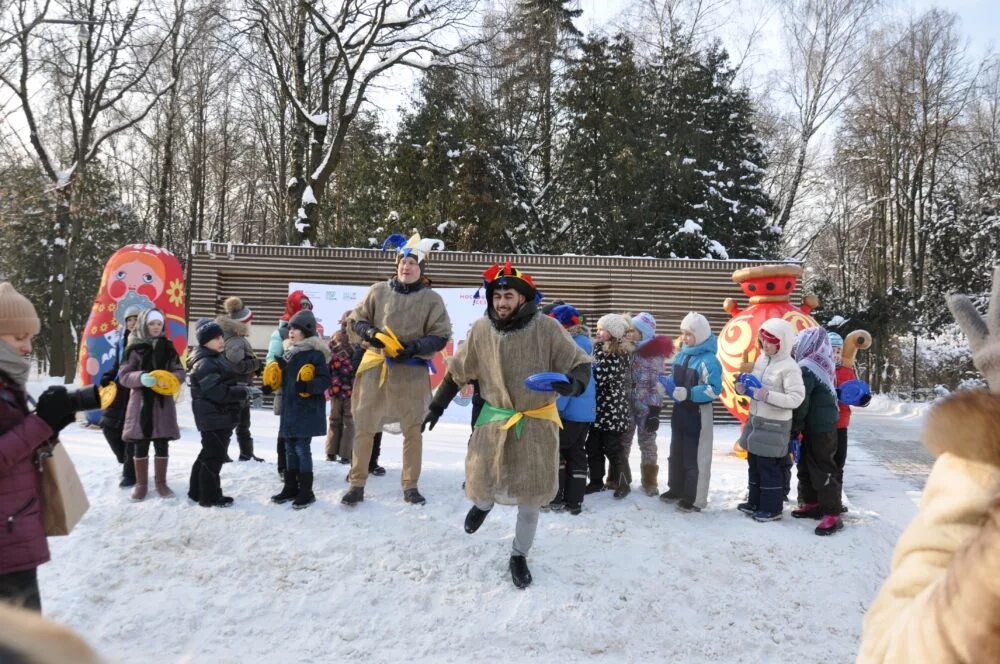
(780, 374)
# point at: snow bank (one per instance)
(629, 580)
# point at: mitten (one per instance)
(301, 386)
(266, 390)
(107, 379)
(760, 394)
(431, 419)
(147, 380)
(55, 407)
(566, 389)
(983, 332)
(369, 336)
(680, 394)
(652, 422)
(410, 350)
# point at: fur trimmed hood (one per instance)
(232, 327)
(309, 343)
(658, 346)
(973, 413)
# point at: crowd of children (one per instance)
(794, 406)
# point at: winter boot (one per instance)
(282, 460)
(306, 497)
(290, 490)
(221, 501)
(613, 474)
(747, 508)
(594, 487)
(669, 496)
(331, 457)
(808, 511)
(413, 497)
(763, 517)
(829, 525)
(160, 477)
(376, 470)
(354, 496)
(194, 486)
(141, 480)
(574, 508)
(687, 506)
(474, 519)
(519, 572)
(649, 475)
(128, 467)
(624, 483)
(250, 457)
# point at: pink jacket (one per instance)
(23, 545)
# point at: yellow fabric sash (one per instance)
(370, 360)
(513, 418)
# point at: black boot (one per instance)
(306, 497)
(624, 481)
(282, 462)
(519, 571)
(290, 490)
(474, 519)
(128, 467)
(354, 496)
(194, 486)
(413, 497)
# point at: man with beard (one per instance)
(513, 456)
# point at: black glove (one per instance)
(566, 389)
(652, 422)
(301, 386)
(266, 390)
(369, 336)
(107, 379)
(865, 400)
(433, 415)
(56, 408)
(410, 350)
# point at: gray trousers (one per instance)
(524, 531)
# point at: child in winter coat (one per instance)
(608, 435)
(768, 430)
(23, 545)
(697, 378)
(150, 417)
(340, 436)
(845, 373)
(816, 419)
(216, 400)
(294, 303)
(113, 417)
(647, 365)
(303, 408)
(577, 414)
(235, 324)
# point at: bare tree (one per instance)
(95, 59)
(325, 58)
(824, 40)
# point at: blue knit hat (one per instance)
(646, 324)
(207, 331)
(836, 340)
(567, 315)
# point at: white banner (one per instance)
(330, 301)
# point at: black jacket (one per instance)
(216, 394)
(113, 417)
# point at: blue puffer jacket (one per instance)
(305, 417)
(584, 407)
(704, 372)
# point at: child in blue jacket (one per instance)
(577, 414)
(697, 377)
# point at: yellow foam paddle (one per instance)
(391, 342)
(166, 383)
(306, 373)
(108, 394)
(272, 375)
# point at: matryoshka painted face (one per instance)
(135, 276)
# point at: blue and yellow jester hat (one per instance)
(416, 247)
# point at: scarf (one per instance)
(15, 365)
(812, 350)
(405, 289)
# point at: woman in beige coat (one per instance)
(941, 603)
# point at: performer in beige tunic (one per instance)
(405, 323)
(513, 456)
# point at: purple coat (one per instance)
(23, 545)
(164, 410)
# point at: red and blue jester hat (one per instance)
(508, 276)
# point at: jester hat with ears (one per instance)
(508, 276)
(416, 247)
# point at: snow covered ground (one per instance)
(630, 580)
